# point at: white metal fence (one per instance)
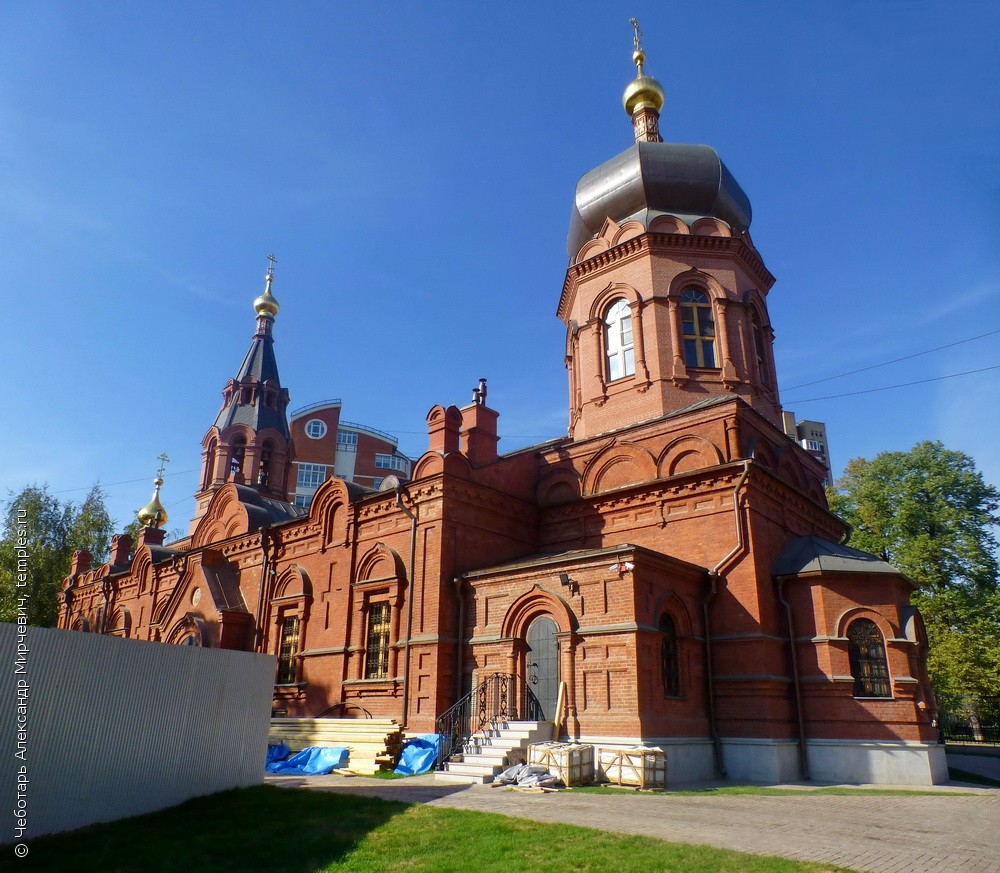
(96, 728)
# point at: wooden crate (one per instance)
(643, 767)
(571, 763)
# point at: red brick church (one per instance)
(671, 560)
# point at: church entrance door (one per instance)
(542, 663)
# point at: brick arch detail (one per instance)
(381, 562)
(699, 279)
(559, 486)
(611, 293)
(676, 455)
(188, 624)
(294, 581)
(638, 462)
(672, 605)
(530, 605)
(886, 627)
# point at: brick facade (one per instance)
(666, 540)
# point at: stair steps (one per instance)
(487, 752)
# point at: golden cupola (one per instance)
(153, 514)
(267, 303)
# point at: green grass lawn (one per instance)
(282, 830)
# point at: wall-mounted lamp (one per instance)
(565, 581)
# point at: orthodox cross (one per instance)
(638, 34)
(270, 266)
(164, 460)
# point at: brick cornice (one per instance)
(661, 243)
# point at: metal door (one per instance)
(542, 663)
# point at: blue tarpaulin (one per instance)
(276, 752)
(314, 761)
(419, 754)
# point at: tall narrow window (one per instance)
(239, 453)
(758, 350)
(288, 648)
(866, 650)
(618, 344)
(668, 657)
(698, 328)
(377, 660)
(265, 463)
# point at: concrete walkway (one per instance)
(887, 834)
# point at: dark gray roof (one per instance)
(265, 511)
(261, 364)
(656, 178)
(817, 555)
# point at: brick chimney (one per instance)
(443, 426)
(479, 433)
(80, 562)
(120, 547)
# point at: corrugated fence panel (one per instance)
(115, 728)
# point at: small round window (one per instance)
(315, 429)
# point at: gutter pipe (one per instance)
(714, 575)
(796, 681)
(409, 602)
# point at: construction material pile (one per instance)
(372, 743)
(527, 776)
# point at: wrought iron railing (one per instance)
(982, 726)
(500, 697)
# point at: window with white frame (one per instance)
(619, 347)
(347, 441)
(315, 429)
(392, 462)
(311, 475)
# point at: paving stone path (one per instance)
(943, 833)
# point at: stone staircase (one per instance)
(486, 753)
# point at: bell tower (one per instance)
(665, 298)
(250, 444)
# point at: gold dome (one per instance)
(266, 304)
(153, 514)
(643, 92)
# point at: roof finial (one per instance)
(637, 56)
(643, 97)
(266, 305)
(153, 514)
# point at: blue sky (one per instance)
(413, 166)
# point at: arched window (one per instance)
(866, 650)
(669, 663)
(377, 654)
(698, 328)
(265, 463)
(209, 471)
(288, 648)
(239, 453)
(618, 345)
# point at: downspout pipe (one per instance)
(400, 490)
(714, 575)
(459, 631)
(797, 683)
(265, 567)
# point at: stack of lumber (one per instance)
(373, 743)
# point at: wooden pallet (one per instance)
(372, 743)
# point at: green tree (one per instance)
(38, 539)
(929, 512)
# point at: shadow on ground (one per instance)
(246, 830)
